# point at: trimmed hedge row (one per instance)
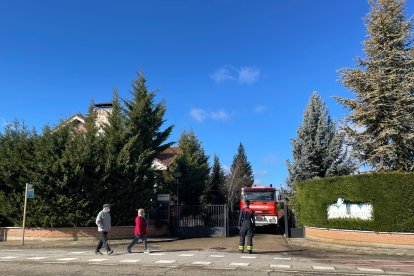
(390, 194)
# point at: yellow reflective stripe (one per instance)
(249, 247)
(241, 247)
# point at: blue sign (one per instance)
(30, 191)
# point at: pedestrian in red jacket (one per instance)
(140, 231)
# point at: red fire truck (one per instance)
(262, 202)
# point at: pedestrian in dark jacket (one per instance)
(246, 225)
(140, 231)
(103, 221)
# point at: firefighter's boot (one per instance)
(249, 249)
(241, 248)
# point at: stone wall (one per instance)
(75, 233)
(359, 237)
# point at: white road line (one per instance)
(78, 252)
(248, 257)
(366, 269)
(280, 266)
(37, 258)
(157, 254)
(323, 267)
(282, 258)
(240, 264)
(66, 259)
(129, 261)
(165, 262)
(97, 260)
(216, 256)
(8, 257)
(186, 255)
(201, 263)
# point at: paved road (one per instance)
(198, 256)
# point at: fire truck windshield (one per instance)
(264, 196)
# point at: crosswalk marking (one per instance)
(129, 261)
(201, 263)
(282, 258)
(78, 252)
(8, 257)
(165, 262)
(366, 269)
(157, 254)
(240, 264)
(216, 256)
(323, 267)
(37, 258)
(248, 257)
(67, 259)
(186, 255)
(280, 266)
(97, 260)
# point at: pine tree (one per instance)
(241, 175)
(381, 120)
(318, 149)
(214, 190)
(192, 165)
(144, 141)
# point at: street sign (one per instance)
(30, 191)
(163, 197)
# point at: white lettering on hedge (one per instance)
(346, 210)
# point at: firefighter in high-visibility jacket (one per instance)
(246, 225)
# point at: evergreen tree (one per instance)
(144, 141)
(214, 190)
(192, 165)
(241, 175)
(381, 120)
(318, 149)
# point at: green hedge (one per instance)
(390, 194)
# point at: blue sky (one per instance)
(232, 71)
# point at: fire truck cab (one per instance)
(262, 202)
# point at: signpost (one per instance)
(29, 193)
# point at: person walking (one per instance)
(140, 231)
(246, 225)
(103, 221)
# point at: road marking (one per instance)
(129, 261)
(165, 262)
(240, 264)
(201, 263)
(216, 256)
(37, 258)
(97, 260)
(323, 267)
(282, 258)
(78, 252)
(186, 255)
(67, 259)
(280, 266)
(248, 257)
(8, 257)
(366, 269)
(157, 254)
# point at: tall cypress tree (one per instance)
(215, 188)
(144, 141)
(241, 175)
(381, 120)
(318, 149)
(192, 165)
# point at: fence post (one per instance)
(226, 220)
(285, 215)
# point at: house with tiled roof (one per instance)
(165, 158)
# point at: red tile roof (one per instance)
(167, 156)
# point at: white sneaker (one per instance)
(147, 251)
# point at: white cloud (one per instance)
(243, 75)
(260, 108)
(258, 182)
(248, 75)
(200, 115)
(225, 168)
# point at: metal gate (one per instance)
(292, 230)
(196, 220)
